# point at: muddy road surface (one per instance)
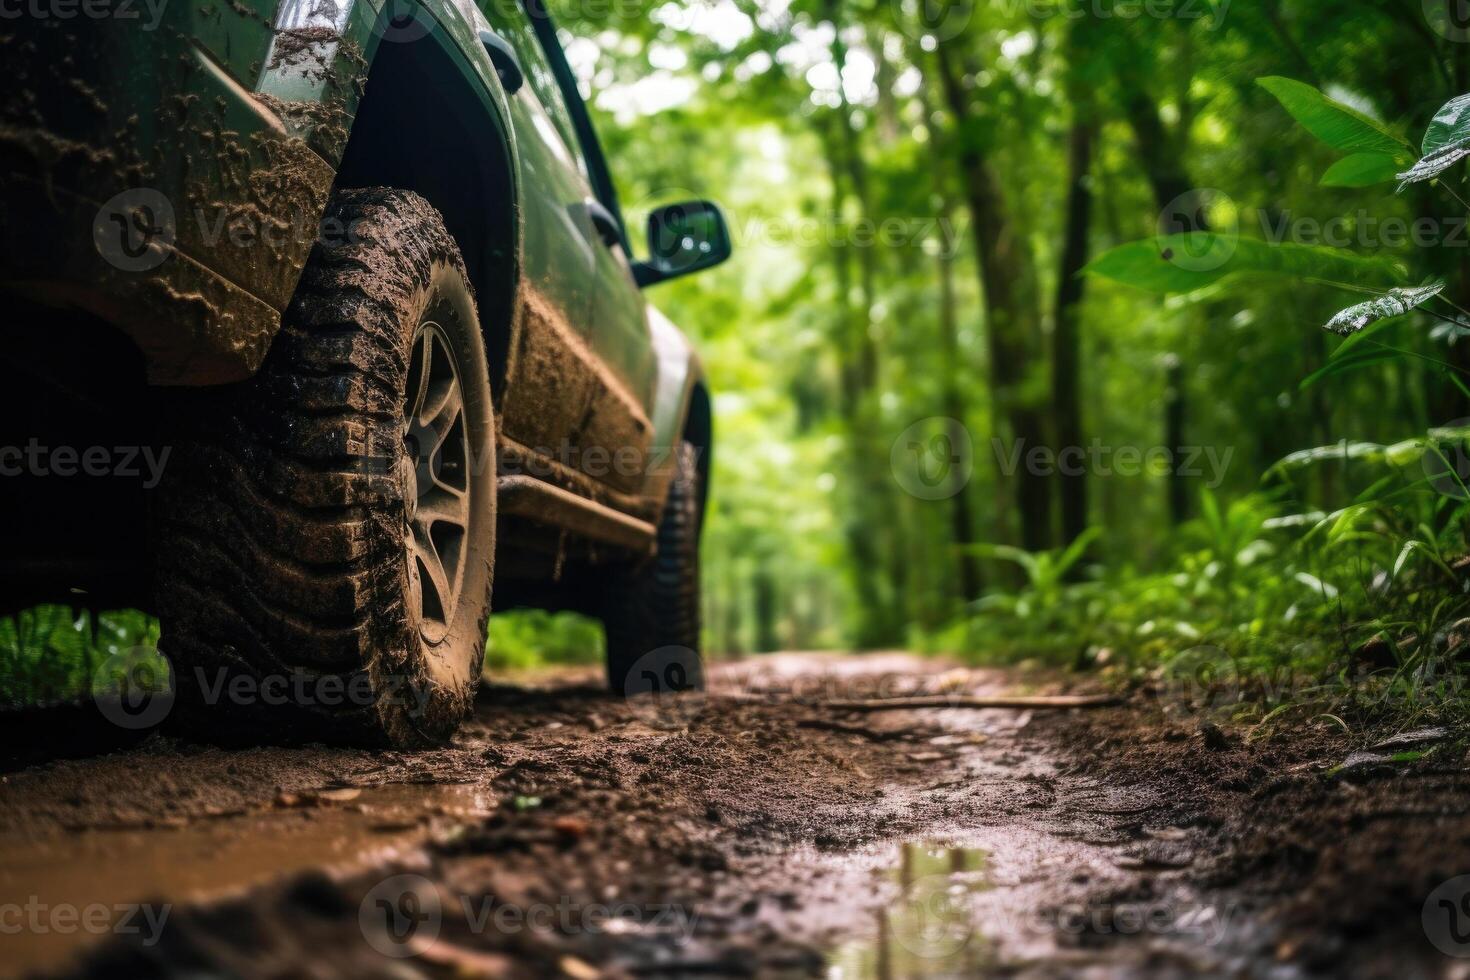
(760, 830)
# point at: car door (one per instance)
(618, 423)
(550, 387)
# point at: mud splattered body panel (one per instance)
(220, 197)
(167, 173)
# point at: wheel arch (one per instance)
(699, 431)
(459, 155)
(681, 404)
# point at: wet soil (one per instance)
(755, 831)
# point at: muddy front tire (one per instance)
(326, 529)
(651, 614)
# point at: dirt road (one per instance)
(754, 831)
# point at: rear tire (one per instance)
(651, 616)
(330, 524)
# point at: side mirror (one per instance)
(683, 238)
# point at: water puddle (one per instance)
(59, 891)
(926, 928)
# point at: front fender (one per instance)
(679, 374)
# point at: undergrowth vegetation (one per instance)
(1339, 590)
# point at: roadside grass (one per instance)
(51, 653)
(1269, 612)
(55, 654)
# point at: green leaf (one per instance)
(1435, 163)
(1361, 170)
(1333, 451)
(1395, 302)
(1446, 142)
(1343, 365)
(1187, 261)
(1004, 552)
(1451, 124)
(1339, 126)
(1075, 551)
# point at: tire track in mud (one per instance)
(567, 833)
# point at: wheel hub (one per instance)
(437, 475)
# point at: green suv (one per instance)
(353, 279)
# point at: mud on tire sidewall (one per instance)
(443, 674)
(651, 612)
(283, 523)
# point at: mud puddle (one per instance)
(750, 832)
(136, 872)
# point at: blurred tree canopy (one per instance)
(915, 188)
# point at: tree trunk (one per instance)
(880, 616)
(961, 516)
(1162, 155)
(1174, 406)
(1012, 314)
(1065, 381)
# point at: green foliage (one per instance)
(1340, 509)
(1446, 142)
(1395, 302)
(523, 639)
(1339, 126)
(1186, 261)
(53, 653)
(1361, 170)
